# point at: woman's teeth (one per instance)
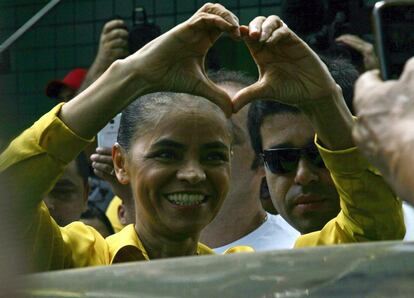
(185, 199)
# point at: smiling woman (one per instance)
(174, 151)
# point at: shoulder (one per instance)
(87, 245)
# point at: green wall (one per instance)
(68, 38)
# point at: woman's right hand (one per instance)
(175, 60)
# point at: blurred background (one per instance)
(67, 37)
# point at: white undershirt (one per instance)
(274, 233)
(409, 221)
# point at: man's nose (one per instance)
(192, 172)
(305, 173)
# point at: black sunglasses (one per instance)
(286, 160)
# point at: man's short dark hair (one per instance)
(230, 76)
(344, 74)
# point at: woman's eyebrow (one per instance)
(215, 145)
(168, 143)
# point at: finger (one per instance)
(118, 43)
(247, 95)
(220, 10)
(255, 27)
(252, 43)
(209, 90)
(104, 175)
(244, 31)
(111, 25)
(106, 159)
(353, 44)
(206, 21)
(228, 16)
(118, 53)
(115, 34)
(279, 34)
(104, 150)
(103, 167)
(350, 38)
(269, 26)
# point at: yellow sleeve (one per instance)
(51, 247)
(30, 166)
(369, 209)
(33, 161)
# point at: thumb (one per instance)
(247, 95)
(213, 93)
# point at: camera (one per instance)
(142, 31)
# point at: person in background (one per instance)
(273, 125)
(68, 198)
(113, 45)
(301, 189)
(121, 209)
(265, 198)
(242, 219)
(65, 89)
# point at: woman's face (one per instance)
(179, 172)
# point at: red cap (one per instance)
(72, 80)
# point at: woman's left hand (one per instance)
(290, 71)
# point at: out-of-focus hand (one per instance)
(175, 60)
(113, 44)
(103, 167)
(290, 72)
(365, 48)
(385, 127)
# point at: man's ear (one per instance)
(121, 215)
(119, 157)
(261, 171)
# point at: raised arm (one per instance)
(34, 160)
(291, 73)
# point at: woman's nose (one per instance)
(192, 172)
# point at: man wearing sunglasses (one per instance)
(300, 182)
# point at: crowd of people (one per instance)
(194, 147)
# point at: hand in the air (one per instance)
(175, 60)
(113, 44)
(103, 167)
(385, 127)
(290, 71)
(365, 48)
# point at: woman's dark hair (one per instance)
(142, 114)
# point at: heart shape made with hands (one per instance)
(289, 70)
